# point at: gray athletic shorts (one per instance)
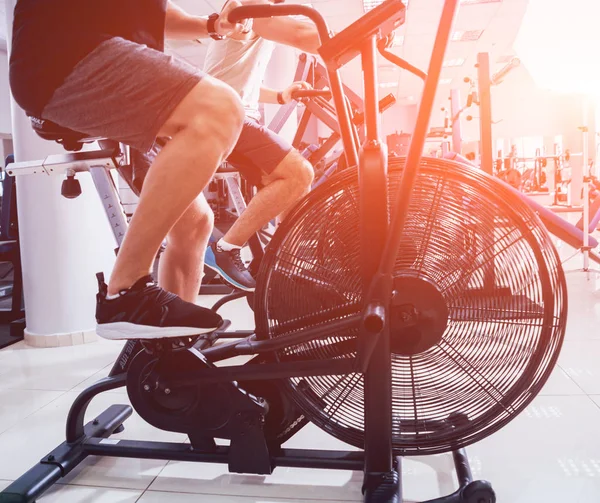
(122, 91)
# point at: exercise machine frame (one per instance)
(379, 241)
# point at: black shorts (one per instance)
(257, 153)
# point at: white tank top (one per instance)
(241, 64)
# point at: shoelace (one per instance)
(162, 297)
(237, 259)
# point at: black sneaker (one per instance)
(229, 265)
(146, 311)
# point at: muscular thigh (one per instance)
(123, 91)
(208, 100)
(258, 152)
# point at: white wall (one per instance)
(5, 126)
(399, 119)
(523, 109)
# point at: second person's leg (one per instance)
(181, 265)
(265, 159)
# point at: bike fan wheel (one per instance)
(473, 255)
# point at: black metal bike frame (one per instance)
(382, 241)
(379, 246)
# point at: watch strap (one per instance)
(211, 27)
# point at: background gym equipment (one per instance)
(12, 320)
(415, 334)
(571, 234)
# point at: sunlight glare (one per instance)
(559, 43)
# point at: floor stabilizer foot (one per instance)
(382, 488)
(478, 491)
(58, 463)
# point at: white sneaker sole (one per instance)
(127, 331)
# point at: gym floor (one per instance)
(549, 454)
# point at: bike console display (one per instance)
(348, 44)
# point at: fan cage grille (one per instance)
(500, 344)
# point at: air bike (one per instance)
(406, 307)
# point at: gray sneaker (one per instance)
(229, 265)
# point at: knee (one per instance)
(193, 229)
(220, 112)
(301, 171)
(211, 114)
(228, 109)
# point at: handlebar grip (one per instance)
(265, 11)
(250, 12)
(312, 93)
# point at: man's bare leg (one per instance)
(282, 189)
(204, 128)
(181, 265)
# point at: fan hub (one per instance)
(419, 316)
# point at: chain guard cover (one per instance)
(192, 409)
(206, 410)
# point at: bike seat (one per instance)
(68, 138)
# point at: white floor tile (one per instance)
(560, 383)
(312, 437)
(56, 369)
(42, 431)
(590, 491)
(72, 494)
(426, 477)
(237, 311)
(549, 454)
(202, 478)
(584, 306)
(101, 374)
(579, 359)
(596, 399)
(16, 405)
(161, 497)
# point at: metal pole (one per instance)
(485, 112)
(586, 188)
(455, 108)
(419, 137)
(372, 118)
(373, 232)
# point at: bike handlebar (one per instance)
(311, 93)
(265, 11)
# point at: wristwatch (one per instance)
(280, 99)
(211, 27)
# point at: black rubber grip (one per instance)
(261, 11)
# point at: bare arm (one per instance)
(268, 95)
(183, 26)
(289, 31)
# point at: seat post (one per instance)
(111, 201)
